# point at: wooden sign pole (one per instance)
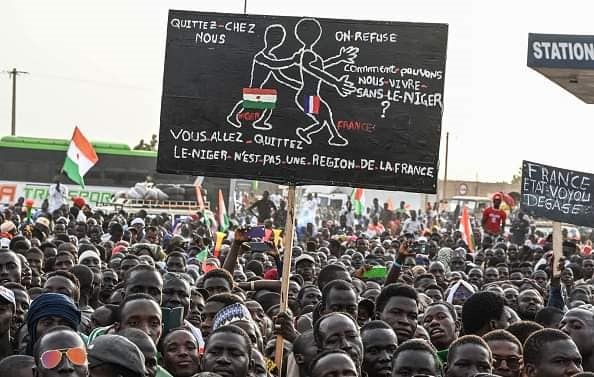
(288, 251)
(557, 247)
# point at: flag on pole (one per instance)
(220, 236)
(222, 214)
(80, 158)
(466, 229)
(199, 198)
(357, 201)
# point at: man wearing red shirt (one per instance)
(493, 218)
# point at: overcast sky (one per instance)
(99, 65)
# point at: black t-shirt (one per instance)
(264, 208)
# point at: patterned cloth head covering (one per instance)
(460, 291)
(444, 255)
(230, 314)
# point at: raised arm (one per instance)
(346, 55)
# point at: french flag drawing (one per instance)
(312, 104)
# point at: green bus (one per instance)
(28, 166)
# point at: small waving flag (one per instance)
(466, 229)
(80, 158)
(357, 201)
(222, 214)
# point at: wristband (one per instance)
(252, 285)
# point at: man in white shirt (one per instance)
(57, 195)
(412, 224)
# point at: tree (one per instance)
(517, 178)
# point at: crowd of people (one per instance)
(89, 293)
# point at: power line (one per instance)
(94, 82)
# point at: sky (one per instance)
(99, 65)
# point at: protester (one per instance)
(18, 365)
(114, 355)
(416, 357)
(467, 356)
(381, 293)
(60, 352)
(379, 343)
(507, 353)
(493, 220)
(551, 353)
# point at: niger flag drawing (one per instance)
(259, 99)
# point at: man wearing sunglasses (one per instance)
(507, 353)
(60, 353)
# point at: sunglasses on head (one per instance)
(51, 359)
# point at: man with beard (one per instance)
(507, 353)
(578, 323)
(339, 331)
(379, 343)
(529, 303)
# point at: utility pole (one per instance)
(14, 73)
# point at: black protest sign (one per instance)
(557, 194)
(303, 100)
